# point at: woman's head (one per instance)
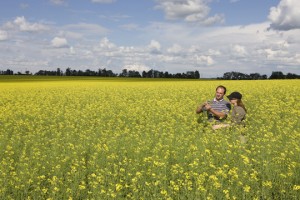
(235, 95)
(235, 98)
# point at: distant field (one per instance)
(114, 138)
(25, 78)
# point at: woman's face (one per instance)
(233, 101)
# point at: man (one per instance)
(218, 108)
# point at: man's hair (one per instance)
(223, 87)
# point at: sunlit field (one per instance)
(135, 139)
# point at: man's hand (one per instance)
(200, 107)
(207, 106)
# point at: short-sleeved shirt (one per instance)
(238, 114)
(220, 106)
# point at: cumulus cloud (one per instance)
(176, 49)
(154, 47)
(278, 55)
(286, 15)
(3, 35)
(136, 67)
(239, 51)
(189, 11)
(22, 24)
(214, 52)
(59, 42)
(106, 44)
(204, 60)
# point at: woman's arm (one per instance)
(238, 115)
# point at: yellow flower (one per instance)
(81, 187)
(226, 192)
(164, 192)
(247, 188)
(267, 184)
(118, 187)
(44, 190)
(245, 159)
(296, 187)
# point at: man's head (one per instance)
(220, 92)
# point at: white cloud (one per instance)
(213, 20)
(70, 34)
(283, 44)
(189, 11)
(176, 49)
(278, 55)
(239, 51)
(154, 47)
(269, 53)
(3, 35)
(212, 51)
(22, 24)
(86, 29)
(286, 15)
(72, 50)
(136, 67)
(106, 44)
(59, 42)
(204, 60)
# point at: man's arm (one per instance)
(220, 115)
(199, 109)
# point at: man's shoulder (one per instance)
(227, 104)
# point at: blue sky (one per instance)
(211, 36)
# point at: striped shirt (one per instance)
(220, 106)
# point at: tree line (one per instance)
(153, 74)
(109, 73)
(256, 76)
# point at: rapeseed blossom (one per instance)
(101, 139)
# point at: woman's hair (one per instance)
(240, 103)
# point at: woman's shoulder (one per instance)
(239, 109)
(238, 114)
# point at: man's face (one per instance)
(219, 93)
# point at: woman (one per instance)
(238, 112)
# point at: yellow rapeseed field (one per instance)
(118, 139)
